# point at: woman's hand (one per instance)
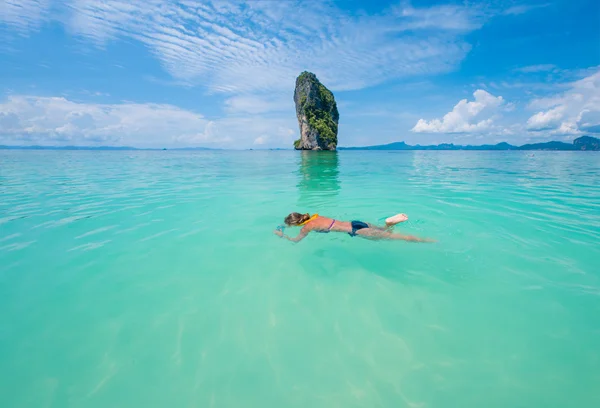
(303, 233)
(279, 231)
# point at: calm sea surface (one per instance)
(153, 279)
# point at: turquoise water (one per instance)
(153, 279)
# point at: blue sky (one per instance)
(221, 73)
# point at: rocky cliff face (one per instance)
(317, 114)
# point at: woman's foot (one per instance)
(396, 219)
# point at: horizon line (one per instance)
(88, 147)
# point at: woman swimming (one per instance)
(317, 223)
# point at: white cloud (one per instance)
(466, 117)
(569, 113)
(261, 46)
(572, 112)
(546, 120)
(27, 120)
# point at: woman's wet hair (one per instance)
(296, 218)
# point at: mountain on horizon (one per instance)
(588, 143)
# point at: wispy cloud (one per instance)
(536, 68)
(24, 15)
(524, 8)
(259, 104)
(260, 46)
(446, 17)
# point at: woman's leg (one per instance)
(379, 234)
(377, 227)
(390, 222)
(396, 219)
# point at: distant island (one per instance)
(587, 143)
(317, 114)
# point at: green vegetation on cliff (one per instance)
(320, 109)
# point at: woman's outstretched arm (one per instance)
(303, 233)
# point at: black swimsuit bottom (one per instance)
(357, 225)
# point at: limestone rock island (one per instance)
(317, 114)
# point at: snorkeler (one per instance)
(321, 224)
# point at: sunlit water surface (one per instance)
(153, 279)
